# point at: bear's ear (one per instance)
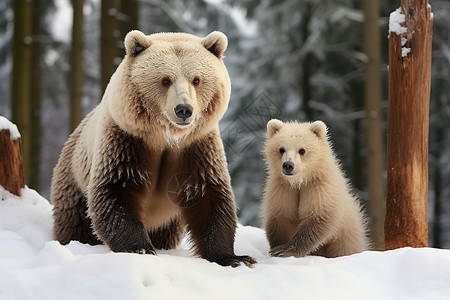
(319, 128)
(216, 42)
(136, 42)
(273, 127)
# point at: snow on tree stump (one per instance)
(11, 161)
(410, 29)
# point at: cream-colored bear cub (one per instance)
(308, 207)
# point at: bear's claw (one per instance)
(235, 261)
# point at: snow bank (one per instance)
(6, 124)
(32, 266)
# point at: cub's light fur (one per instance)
(310, 211)
(135, 174)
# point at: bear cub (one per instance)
(308, 208)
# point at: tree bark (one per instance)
(76, 62)
(108, 40)
(406, 221)
(374, 125)
(21, 76)
(11, 163)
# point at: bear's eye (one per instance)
(301, 151)
(166, 82)
(282, 150)
(196, 81)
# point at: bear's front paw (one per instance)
(151, 251)
(140, 248)
(285, 250)
(235, 261)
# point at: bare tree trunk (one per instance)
(406, 221)
(11, 163)
(109, 38)
(374, 129)
(76, 62)
(21, 76)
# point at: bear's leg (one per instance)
(114, 220)
(69, 203)
(117, 174)
(210, 213)
(69, 212)
(168, 236)
(212, 225)
(277, 231)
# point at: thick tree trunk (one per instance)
(108, 40)
(374, 137)
(76, 62)
(406, 221)
(21, 76)
(11, 163)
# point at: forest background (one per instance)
(293, 60)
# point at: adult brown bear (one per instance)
(148, 161)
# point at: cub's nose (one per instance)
(288, 167)
(183, 111)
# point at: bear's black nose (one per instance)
(288, 167)
(183, 111)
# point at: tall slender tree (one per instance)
(76, 62)
(109, 40)
(130, 16)
(374, 125)
(21, 77)
(38, 32)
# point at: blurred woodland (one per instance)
(293, 60)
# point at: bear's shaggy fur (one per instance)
(148, 161)
(308, 208)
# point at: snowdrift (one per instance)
(33, 266)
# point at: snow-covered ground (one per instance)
(33, 266)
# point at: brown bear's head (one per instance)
(296, 152)
(173, 84)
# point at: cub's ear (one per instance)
(216, 42)
(273, 127)
(136, 42)
(320, 129)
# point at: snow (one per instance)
(33, 266)
(396, 19)
(5, 124)
(431, 13)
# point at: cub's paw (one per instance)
(285, 250)
(235, 261)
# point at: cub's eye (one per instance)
(301, 151)
(196, 81)
(282, 150)
(166, 82)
